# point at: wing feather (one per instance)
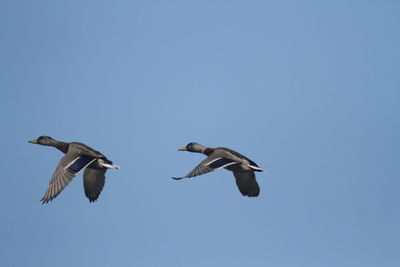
(93, 181)
(247, 183)
(214, 162)
(66, 170)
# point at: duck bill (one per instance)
(182, 149)
(33, 141)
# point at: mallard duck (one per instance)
(77, 157)
(243, 168)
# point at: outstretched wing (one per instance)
(246, 182)
(94, 179)
(212, 163)
(66, 170)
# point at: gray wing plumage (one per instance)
(66, 170)
(93, 181)
(214, 162)
(246, 182)
(238, 155)
(60, 179)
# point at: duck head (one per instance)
(44, 141)
(193, 147)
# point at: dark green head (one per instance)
(43, 140)
(193, 147)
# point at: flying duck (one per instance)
(243, 168)
(77, 157)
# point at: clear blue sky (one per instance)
(309, 90)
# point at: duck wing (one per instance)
(246, 182)
(66, 170)
(215, 161)
(94, 178)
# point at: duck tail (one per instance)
(255, 168)
(104, 162)
(110, 166)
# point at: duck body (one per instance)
(78, 156)
(221, 157)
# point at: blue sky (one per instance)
(309, 90)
